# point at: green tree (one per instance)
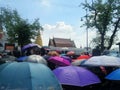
(18, 30)
(97, 41)
(104, 17)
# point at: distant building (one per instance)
(3, 39)
(61, 42)
(64, 45)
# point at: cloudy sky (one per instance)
(59, 18)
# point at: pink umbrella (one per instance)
(59, 61)
(70, 53)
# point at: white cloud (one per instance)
(63, 30)
(60, 29)
(46, 3)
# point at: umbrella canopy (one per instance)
(70, 53)
(115, 75)
(30, 45)
(67, 58)
(27, 76)
(103, 61)
(20, 59)
(8, 58)
(78, 62)
(36, 59)
(76, 76)
(59, 61)
(84, 57)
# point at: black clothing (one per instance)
(96, 52)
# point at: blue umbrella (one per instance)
(27, 76)
(115, 75)
(22, 58)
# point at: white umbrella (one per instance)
(9, 58)
(36, 59)
(103, 61)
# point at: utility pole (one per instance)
(86, 28)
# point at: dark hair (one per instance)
(97, 47)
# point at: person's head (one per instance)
(43, 52)
(86, 53)
(58, 51)
(97, 47)
(53, 53)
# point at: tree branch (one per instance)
(114, 32)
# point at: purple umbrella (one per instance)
(75, 76)
(59, 61)
(67, 58)
(29, 46)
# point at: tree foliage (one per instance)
(18, 29)
(104, 17)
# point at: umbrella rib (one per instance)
(30, 76)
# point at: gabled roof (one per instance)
(61, 42)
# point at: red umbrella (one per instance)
(83, 57)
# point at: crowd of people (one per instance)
(101, 71)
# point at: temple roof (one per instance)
(61, 42)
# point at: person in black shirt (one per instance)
(96, 51)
